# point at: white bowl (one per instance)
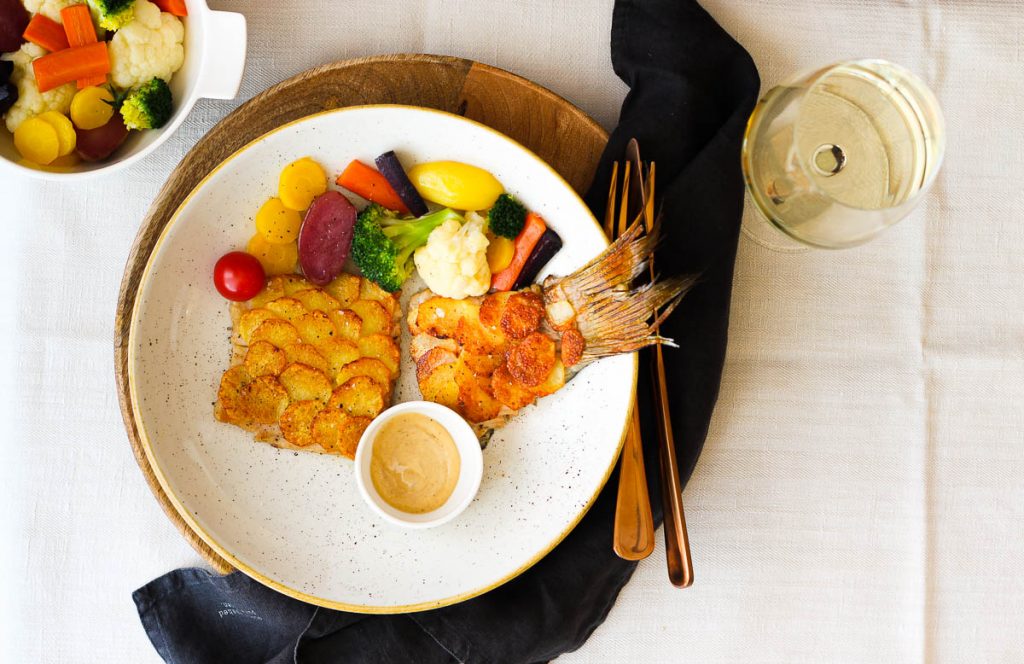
(214, 61)
(471, 466)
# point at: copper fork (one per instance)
(677, 542)
(633, 537)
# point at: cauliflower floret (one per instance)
(48, 8)
(453, 262)
(148, 47)
(31, 102)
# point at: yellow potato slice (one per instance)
(250, 320)
(279, 332)
(554, 382)
(366, 366)
(244, 401)
(297, 422)
(328, 427)
(293, 283)
(440, 316)
(359, 396)
(371, 291)
(376, 319)
(318, 300)
(345, 289)
(307, 354)
(262, 359)
(348, 323)
(287, 308)
(340, 431)
(437, 381)
(383, 348)
(273, 290)
(315, 328)
(338, 353)
(476, 403)
(305, 383)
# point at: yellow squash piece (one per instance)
(456, 185)
(37, 141)
(92, 107)
(275, 258)
(301, 181)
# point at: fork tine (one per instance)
(624, 204)
(609, 211)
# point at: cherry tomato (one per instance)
(238, 276)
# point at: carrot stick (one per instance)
(524, 244)
(45, 32)
(176, 7)
(364, 181)
(71, 64)
(80, 31)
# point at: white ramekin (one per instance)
(471, 466)
(215, 45)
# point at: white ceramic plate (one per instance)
(295, 521)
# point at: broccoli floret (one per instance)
(148, 106)
(114, 14)
(506, 217)
(383, 243)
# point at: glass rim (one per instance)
(921, 96)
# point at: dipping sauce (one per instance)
(414, 463)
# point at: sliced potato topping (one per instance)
(317, 364)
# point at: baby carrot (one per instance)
(80, 31)
(46, 32)
(71, 64)
(176, 7)
(524, 243)
(364, 181)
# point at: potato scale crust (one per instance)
(311, 367)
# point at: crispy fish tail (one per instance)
(613, 301)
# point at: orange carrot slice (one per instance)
(46, 32)
(176, 7)
(71, 64)
(80, 31)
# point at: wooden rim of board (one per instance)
(558, 132)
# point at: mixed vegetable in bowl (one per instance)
(76, 78)
(451, 222)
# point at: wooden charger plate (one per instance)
(558, 132)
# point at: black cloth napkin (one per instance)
(691, 90)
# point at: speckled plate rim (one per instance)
(224, 552)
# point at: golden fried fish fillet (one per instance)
(311, 367)
(488, 357)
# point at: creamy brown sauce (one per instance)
(414, 464)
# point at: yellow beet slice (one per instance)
(275, 258)
(301, 181)
(92, 107)
(278, 224)
(499, 253)
(37, 141)
(66, 136)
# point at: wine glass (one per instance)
(836, 156)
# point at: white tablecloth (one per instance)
(861, 495)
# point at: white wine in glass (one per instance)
(837, 156)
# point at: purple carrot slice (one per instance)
(546, 247)
(391, 168)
